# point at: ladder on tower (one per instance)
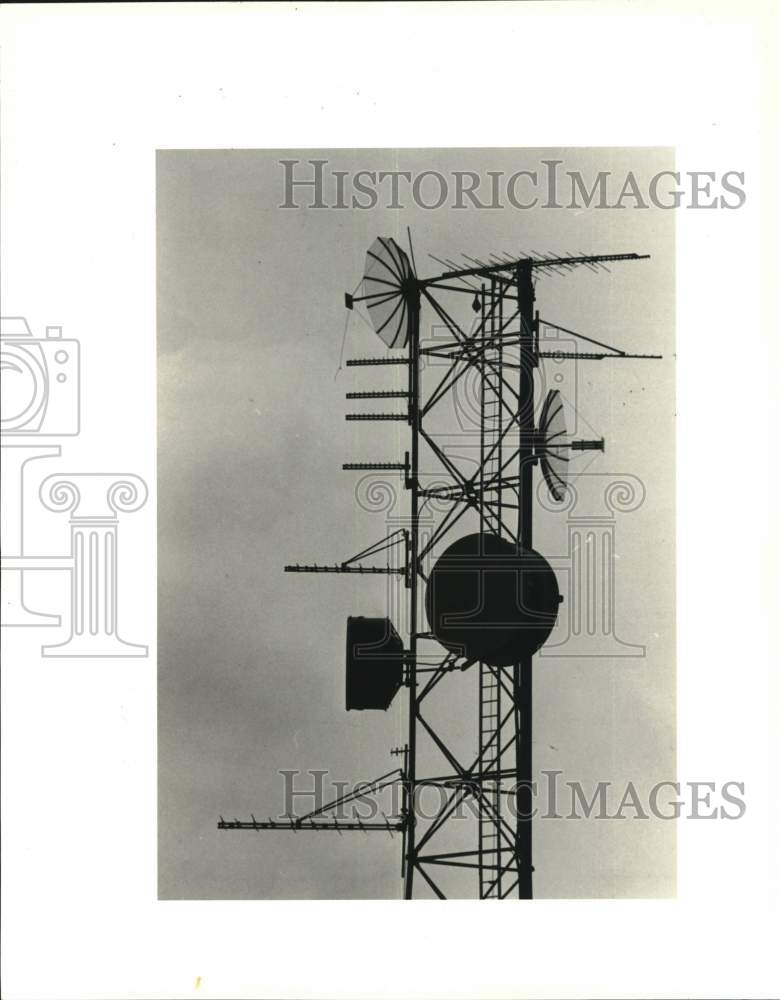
(491, 411)
(491, 451)
(490, 804)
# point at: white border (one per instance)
(88, 93)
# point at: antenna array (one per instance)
(489, 637)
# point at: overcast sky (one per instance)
(251, 334)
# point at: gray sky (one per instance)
(251, 326)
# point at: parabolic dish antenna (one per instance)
(554, 446)
(386, 286)
(488, 599)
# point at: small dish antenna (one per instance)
(555, 445)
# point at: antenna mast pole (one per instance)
(523, 671)
(413, 577)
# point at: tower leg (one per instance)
(413, 555)
(523, 699)
(523, 677)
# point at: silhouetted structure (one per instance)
(490, 599)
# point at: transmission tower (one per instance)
(490, 599)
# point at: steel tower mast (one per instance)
(491, 640)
